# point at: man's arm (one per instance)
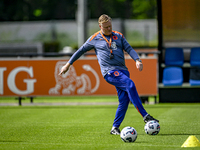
(139, 64)
(88, 45)
(65, 68)
(74, 57)
(133, 54)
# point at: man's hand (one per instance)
(139, 65)
(64, 69)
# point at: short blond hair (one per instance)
(104, 18)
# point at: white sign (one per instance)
(11, 80)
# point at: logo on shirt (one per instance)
(113, 46)
(115, 37)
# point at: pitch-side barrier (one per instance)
(25, 75)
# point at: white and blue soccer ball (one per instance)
(152, 127)
(128, 134)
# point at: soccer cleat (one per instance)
(149, 118)
(115, 131)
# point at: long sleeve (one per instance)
(88, 45)
(130, 50)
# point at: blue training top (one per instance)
(102, 50)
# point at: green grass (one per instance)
(88, 127)
(64, 99)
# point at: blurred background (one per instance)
(150, 26)
(54, 23)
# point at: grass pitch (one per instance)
(88, 126)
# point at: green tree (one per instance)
(30, 10)
(144, 9)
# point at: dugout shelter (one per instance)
(179, 28)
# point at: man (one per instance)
(109, 46)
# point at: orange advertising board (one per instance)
(39, 77)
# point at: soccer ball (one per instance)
(128, 134)
(152, 127)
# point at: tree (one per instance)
(144, 9)
(31, 10)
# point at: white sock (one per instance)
(145, 116)
(113, 127)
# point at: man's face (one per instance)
(106, 27)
